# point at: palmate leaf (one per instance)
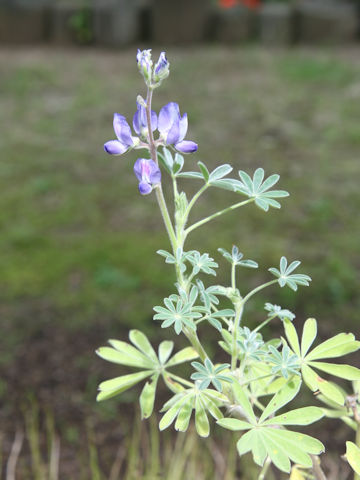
(262, 439)
(236, 258)
(180, 407)
(286, 277)
(178, 312)
(260, 190)
(142, 355)
(334, 347)
(208, 373)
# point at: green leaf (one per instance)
(183, 419)
(234, 424)
(346, 372)
(282, 397)
(129, 356)
(300, 416)
(337, 346)
(201, 419)
(246, 442)
(276, 452)
(147, 397)
(288, 445)
(171, 414)
(165, 349)
(117, 385)
(292, 336)
(185, 355)
(315, 382)
(353, 456)
(242, 399)
(142, 343)
(220, 172)
(204, 171)
(308, 336)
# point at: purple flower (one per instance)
(123, 133)
(145, 64)
(148, 174)
(162, 66)
(140, 122)
(173, 128)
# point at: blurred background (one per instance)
(272, 84)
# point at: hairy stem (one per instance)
(264, 469)
(192, 337)
(257, 289)
(217, 214)
(234, 349)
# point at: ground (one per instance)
(78, 262)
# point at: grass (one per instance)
(78, 262)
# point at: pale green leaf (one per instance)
(171, 384)
(129, 357)
(234, 424)
(242, 399)
(347, 372)
(300, 416)
(315, 382)
(298, 440)
(291, 447)
(337, 346)
(292, 336)
(165, 349)
(308, 336)
(353, 456)
(201, 420)
(142, 343)
(117, 385)
(282, 397)
(275, 451)
(147, 397)
(246, 442)
(171, 414)
(185, 355)
(183, 419)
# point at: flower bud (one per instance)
(161, 70)
(145, 65)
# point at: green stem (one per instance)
(234, 349)
(233, 278)
(264, 469)
(217, 214)
(158, 190)
(194, 199)
(265, 322)
(257, 289)
(195, 342)
(175, 243)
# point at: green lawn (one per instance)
(78, 242)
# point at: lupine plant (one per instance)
(249, 393)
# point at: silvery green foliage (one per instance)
(251, 391)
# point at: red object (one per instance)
(246, 3)
(227, 3)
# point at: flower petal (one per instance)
(169, 114)
(186, 146)
(145, 188)
(173, 135)
(114, 147)
(122, 129)
(183, 124)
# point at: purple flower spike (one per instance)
(173, 128)
(140, 122)
(161, 70)
(148, 174)
(123, 133)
